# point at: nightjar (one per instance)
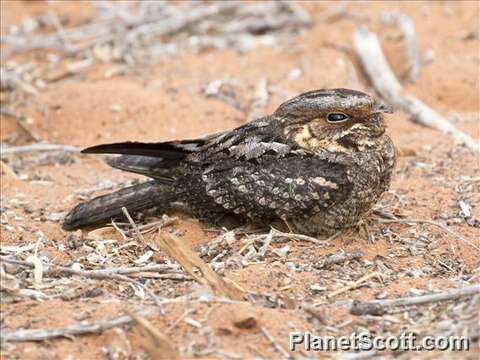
(319, 163)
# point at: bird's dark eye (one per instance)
(336, 117)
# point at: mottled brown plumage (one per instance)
(319, 163)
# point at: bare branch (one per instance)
(98, 274)
(51, 269)
(379, 307)
(190, 260)
(37, 148)
(368, 50)
(67, 331)
(406, 27)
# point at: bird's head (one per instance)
(334, 120)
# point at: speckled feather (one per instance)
(294, 165)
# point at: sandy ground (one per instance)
(166, 100)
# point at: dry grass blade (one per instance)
(157, 345)
(189, 260)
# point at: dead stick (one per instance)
(189, 260)
(430, 222)
(356, 284)
(158, 224)
(301, 237)
(54, 269)
(38, 147)
(20, 120)
(155, 343)
(139, 235)
(180, 318)
(274, 342)
(266, 244)
(67, 331)
(338, 258)
(134, 226)
(378, 307)
(102, 276)
(7, 170)
(315, 312)
(172, 272)
(406, 27)
(373, 61)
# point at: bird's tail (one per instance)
(101, 209)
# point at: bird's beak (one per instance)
(381, 107)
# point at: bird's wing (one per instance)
(157, 160)
(297, 184)
(178, 149)
(160, 160)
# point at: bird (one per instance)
(318, 164)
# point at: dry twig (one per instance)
(157, 345)
(379, 307)
(368, 50)
(7, 170)
(37, 148)
(338, 258)
(315, 312)
(93, 274)
(406, 27)
(266, 244)
(165, 221)
(180, 318)
(67, 331)
(301, 237)
(139, 235)
(189, 260)
(274, 342)
(430, 222)
(134, 226)
(51, 269)
(356, 284)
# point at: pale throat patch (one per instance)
(305, 139)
